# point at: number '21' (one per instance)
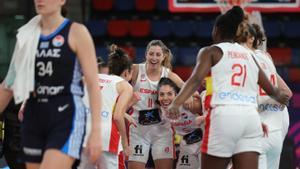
(240, 71)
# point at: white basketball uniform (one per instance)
(189, 156)
(273, 114)
(150, 132)
(111, 140)
(232, 124)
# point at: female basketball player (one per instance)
(54, 116)
(232, 126)
(272, 113)
(150, 133)
(189, 157)
(117, 93)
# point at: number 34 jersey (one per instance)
(234, 78)
(57, 70)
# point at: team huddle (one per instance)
(133, 111)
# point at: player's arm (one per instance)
(202, 68)
(274, 92)
(189, 103)
(5, 97)
(135, 73)
(281, 83)
(125, 94)
(196, 107)
(82, 44)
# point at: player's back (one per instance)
(234, 77)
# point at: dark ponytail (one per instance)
(228, 23)
(118, 60)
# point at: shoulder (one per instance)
(79, 36)
(77, 28)
(124, 86)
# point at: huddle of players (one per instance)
(153, 90)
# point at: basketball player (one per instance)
(232, 125)
(117, 93)
(54, 115)
(272, 113)
(150, 133)
(189, 156)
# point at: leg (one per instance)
(54, 159)
(136, 165)
(213, 162)
(33, 165)
(163, 163)
(246, 160)
(189, 156)
(140, 146)
(84, 161)
(163, 148)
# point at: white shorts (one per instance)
(106, 161)
(158, 137)
(189, 156)
(232, 129)
(271, 150)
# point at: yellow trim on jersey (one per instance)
(209, 87)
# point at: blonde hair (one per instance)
(167, 62)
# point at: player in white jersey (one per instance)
(189, 156)
(273, 114)
(232, 126)
(150, 133)
(117, 93)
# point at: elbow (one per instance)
(118, 118)
(290, 93)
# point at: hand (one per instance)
(189, 104)
(265, 129)
(200, 120)
(21, 112)
(127, 151)
(283, 98)
(94, 146)
(173, 112)
(130, 120)
(136, 98)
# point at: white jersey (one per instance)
(110, 133)
(234, 77)
(186, 124)
(147, 90)
(271, 111)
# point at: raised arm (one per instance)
(202, 68)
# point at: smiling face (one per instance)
(166, 95)
(154, 57)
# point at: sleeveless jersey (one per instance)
(186, 124)
(147, 90)
(110, 133)
(234, 78)
(271, 111)
(57, 70)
